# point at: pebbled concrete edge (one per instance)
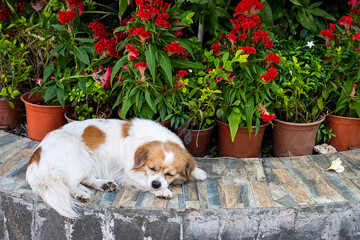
(24, 217)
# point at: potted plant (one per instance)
(244, 69)
(14, 66)
(199, 95)
(342, 57)
(153, 53)
(70, 60)
(300, 97)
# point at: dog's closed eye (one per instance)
(152, 169)
(169, 175)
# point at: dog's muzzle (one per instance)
(156, 184)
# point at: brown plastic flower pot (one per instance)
(42, 119)
(243, 146)
(197, 142)
(295, 139)
(10, 117)
(347, 131)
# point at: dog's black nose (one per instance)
(156, 184)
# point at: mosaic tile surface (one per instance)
(231, 183)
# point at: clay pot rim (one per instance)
(341, 117)
(301, 124)
(41, 99)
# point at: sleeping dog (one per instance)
(100, 153)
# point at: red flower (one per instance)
(216, 48)
(356, 36)
(141, 66)
(5, 13)
(182, 73)
(346, 20)
(175, 47)
(99, 30)
(120, 36)
(247, 50)
(248, 7)
(162, 23)
(20, 8)
(76, 3)
(100, 46)
(243, 37)
(125, 21)
(272, 58)
(270, 75)
(327, 33)
(332, 27)
(267, 117)
(104, 79)
(65, 17)
(141, 32)
(110, 45)
(143, 14)
(133, 52)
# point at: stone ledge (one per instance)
(22, 216)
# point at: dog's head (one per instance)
(163, 162)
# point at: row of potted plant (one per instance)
(152, 67)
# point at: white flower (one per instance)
(336, 166)
(190, 70)
(290, 72)
(310, 44)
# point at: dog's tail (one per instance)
(52, 188)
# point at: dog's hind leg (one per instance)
(80, 193)
(100, 184)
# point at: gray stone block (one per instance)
(49, 224)
(201, 227)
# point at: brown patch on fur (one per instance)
(35, 157)
(93, 137)
(149, 151)
(125, 129)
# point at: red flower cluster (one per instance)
(126, 21)
(133, 52)
(272, 58)
(346, 20)
(5, 13)
(182, 73)
(175, 47)
(356, 36)
(99, 30)
(216, 48)
(141, 32)
(248, 7)
(67, 16)
(265, 116)
(244, 23)
(76, 4)
(247, 50)
(161, 20)
(270, 75)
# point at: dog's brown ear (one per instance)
(140, 157)
(189, 168)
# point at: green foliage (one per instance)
(300, 95)
(14, 67)
(90, 99)
(324, 134)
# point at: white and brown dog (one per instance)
(101, 153)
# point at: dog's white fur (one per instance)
(66, 164)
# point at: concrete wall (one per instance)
(24, 217)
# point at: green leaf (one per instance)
(151, 60)
(56, 50)
(50, 93)
(149, 101)
(296, 2)
(125, 107)
(49, 69)
(321, 13)
(61, 96)
(234, 121)
(118, 65)
(177, 63)
(82, 55)
(123, 4)
(165, 64)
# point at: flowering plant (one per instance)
(244, 69)
(342, 57)
(74, 57)
(154, 52)
(300, 94)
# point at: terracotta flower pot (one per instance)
(10, 117)
(243, 146)
(347, 131)
(165, 124)
(197, 142)
(42, 119)
(294, 139)
(70, 111)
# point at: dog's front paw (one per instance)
(198, 174)
(82, 197)
(164, 193)
(109, 187)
